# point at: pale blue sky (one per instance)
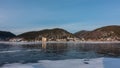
(19, 16)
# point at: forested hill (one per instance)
(4, 35)
(53, 34)
(102, 34)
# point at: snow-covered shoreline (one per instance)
(90, 42)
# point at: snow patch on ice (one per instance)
(71, 63)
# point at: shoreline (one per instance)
(87, 42)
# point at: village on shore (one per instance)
(44, 39)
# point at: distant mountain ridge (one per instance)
(5, 35)
(110, 33)
(106, 33)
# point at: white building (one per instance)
(16, 40)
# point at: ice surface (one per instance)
(111, 63)
(71, 63)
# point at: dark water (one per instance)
(56, 51)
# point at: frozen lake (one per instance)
(60, 55)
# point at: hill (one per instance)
(50, 34)
(107, 33)
(4, 35)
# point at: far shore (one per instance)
(40, 42)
